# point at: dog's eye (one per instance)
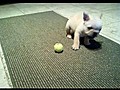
(89, 27)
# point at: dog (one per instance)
(83, 25)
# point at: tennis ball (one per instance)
(58, 47)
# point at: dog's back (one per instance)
(74, 21)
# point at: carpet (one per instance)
(27, 42)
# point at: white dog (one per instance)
(83, 25)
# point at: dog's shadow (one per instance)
(94, 45)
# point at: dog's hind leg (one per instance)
(69, 32)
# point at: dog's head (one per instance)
(93, 25)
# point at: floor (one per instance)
(111, 20)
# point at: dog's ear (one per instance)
(85, 16)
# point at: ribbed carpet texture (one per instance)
(28, 45)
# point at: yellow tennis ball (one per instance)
(58, 47)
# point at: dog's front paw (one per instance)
(75, 47)
(87, 44)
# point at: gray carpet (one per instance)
(27, 42)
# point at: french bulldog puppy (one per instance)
(83, 25)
